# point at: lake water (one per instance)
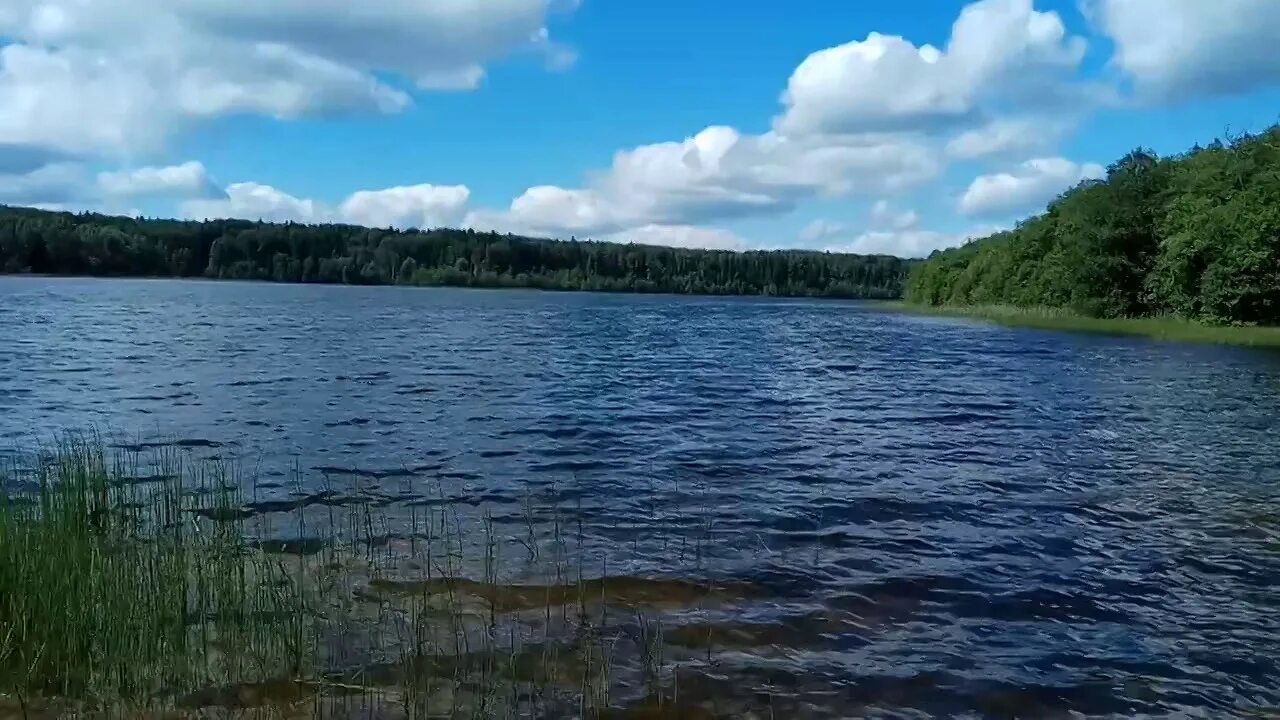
(945, 517)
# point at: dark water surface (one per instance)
(940, 517)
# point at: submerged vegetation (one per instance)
(136, 582)
(1196, 236)
(38, 241)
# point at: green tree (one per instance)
(1197, 235)
(39, 241)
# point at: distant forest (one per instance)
(36, 241)
(1195, 235)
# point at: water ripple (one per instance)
(936, 517)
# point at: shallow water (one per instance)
(922, 517)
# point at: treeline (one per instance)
(1195, 235)
(35, 241)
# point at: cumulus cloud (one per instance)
(56, 184)
(254, 201)
(717, 174)
(684, 236)
(884, 216)
(1179, 49)
(143, 66)
(999, 51)
(190, 179)
(869, 118)
(278, 81)
(908, 243)
(407, 207)
(1008, 136)
(466, 78)
(862, 118)
(821, 230)
(1027, 187)
(73, 102)
(17, 158)
(69, 185)
(417, 206)
(889, 231)
(420, 40)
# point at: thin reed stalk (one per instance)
(134, 581)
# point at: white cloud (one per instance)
(278, 81)
(407, 207)
(141, 67)
(889, 231)
(858, 119)
(883, 216)
(908, 243)
(467, 78)
(419, 40)
(254, 201)
(1000, 50)
(17, 158)
(67, 185)
(869, 85)
(821, 230)
(1008, 136)
(1027, 187)
(868, 118)
(418, 206)
(684, 236)
(190, 179)
(74, 102)
(1179, 49)
(718, 173)
(57, 184)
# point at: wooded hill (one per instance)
(1195, 235)
(37, 241)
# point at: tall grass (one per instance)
(111, 588)
(133, 582)
(1172, 329)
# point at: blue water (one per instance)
(948, 518)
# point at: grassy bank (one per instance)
(1159, 328)
(148, 584)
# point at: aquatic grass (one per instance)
(1164, 328)
(111, 590)
(142, 580)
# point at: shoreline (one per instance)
(1164, 329)
(448, 286)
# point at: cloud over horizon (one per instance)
(915, 138)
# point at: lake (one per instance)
(942, 517)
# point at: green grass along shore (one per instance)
(145, 583)
(1171, 329)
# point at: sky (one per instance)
(863, 126)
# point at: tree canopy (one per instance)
(1195, 235)
(38, 241)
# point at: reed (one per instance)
(1164, 328)
(144, 581)
(112, 590)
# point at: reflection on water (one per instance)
(835, 512)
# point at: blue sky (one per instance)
(851, 126)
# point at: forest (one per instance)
(1195, 236)
(37, 241)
